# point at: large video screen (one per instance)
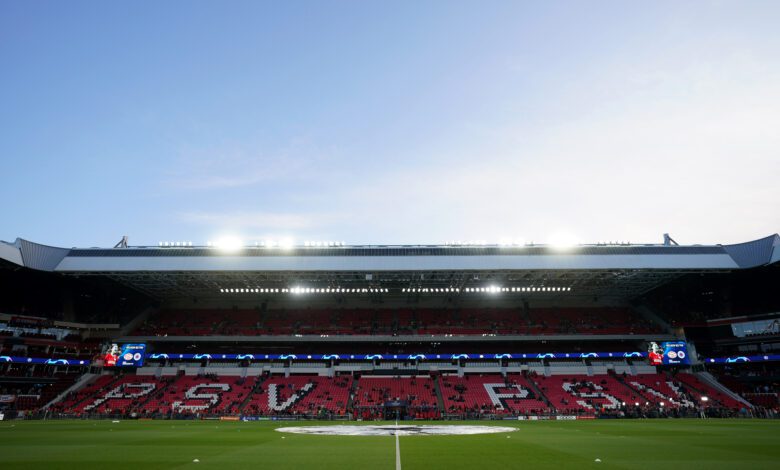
(126, 355)
(668, 353)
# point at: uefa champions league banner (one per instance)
(741, 359)
(46, 361)
(402, 357)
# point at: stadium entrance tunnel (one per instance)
(396, 429)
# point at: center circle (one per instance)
(396, 429)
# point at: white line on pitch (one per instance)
(397, 449)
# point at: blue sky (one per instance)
(389, 122)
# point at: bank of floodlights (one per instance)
(173, 244)
(299, 290)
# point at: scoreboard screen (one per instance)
(126, 355)
(668, 353)
(675, 352)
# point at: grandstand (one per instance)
(389, 332)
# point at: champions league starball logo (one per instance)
(396, 430)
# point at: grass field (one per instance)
(630, 444)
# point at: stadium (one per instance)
(402, 341)
(418, 235)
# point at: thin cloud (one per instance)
(252, 220)
(241, 165)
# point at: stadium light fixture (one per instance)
(705, 399)
(562, 240)
(229, 244)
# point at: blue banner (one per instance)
(741, 359)
(47, 361)
(401, 357)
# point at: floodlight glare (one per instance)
(229, 243)
(563, 240)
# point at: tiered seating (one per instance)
(182, 323)
(767, 400)
(584, 394)
(148, 395)
(489, 394)
(315, 395)
(699, 389)
(305, 394)
(96, 387)
(658, 388)
(32, 395)
(549, 321)
(126, 394)
(417, 392)
(198, 394)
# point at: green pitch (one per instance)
(626, 444)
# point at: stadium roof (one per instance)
(602, 270)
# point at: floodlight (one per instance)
(229, 243)
(563, 240)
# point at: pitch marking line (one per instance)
(397, 449)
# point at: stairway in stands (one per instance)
(439, 398)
